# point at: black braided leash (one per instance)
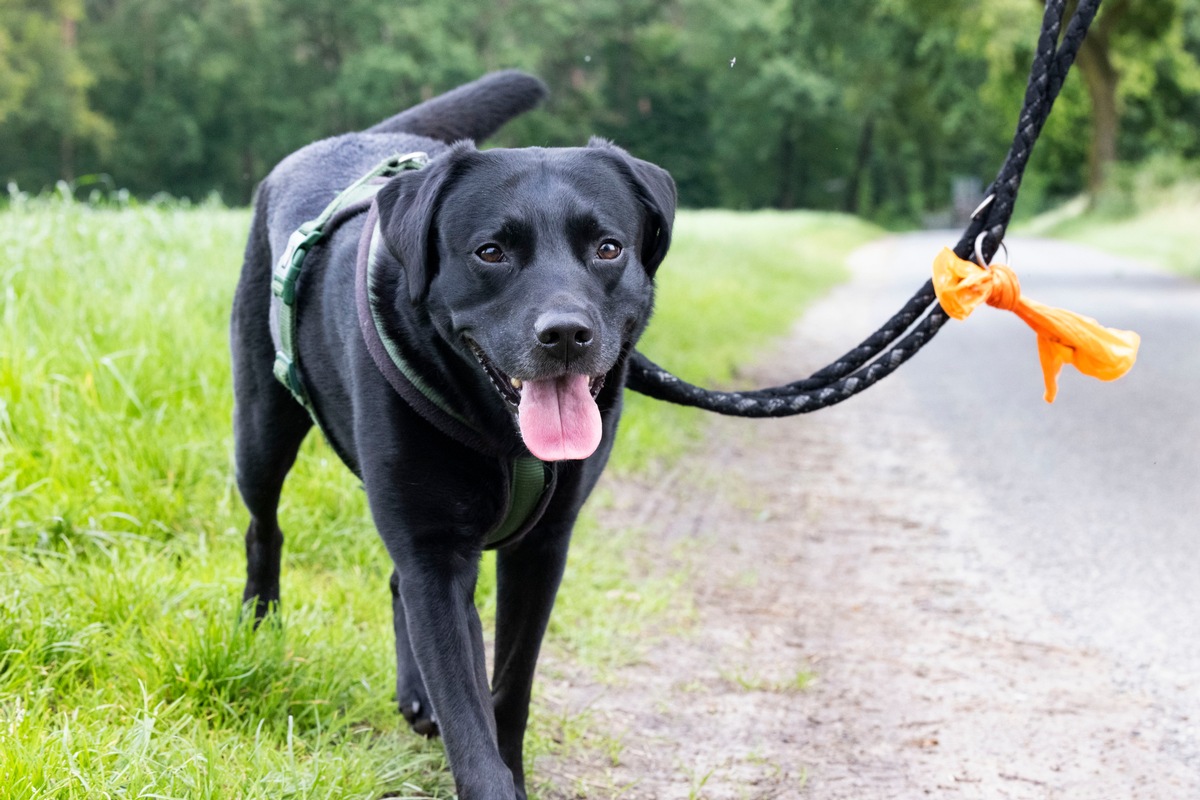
(921, 317)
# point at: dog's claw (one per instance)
(424, 725)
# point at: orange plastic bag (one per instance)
(1063, 337)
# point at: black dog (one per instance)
(515, 283)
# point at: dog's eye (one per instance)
(490, 253)
(608, 250)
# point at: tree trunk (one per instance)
(1101, 78)
(853, 202)
(785, 190)
(249, 174)
(66, 145)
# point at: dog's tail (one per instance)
(474, 111)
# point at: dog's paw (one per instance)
(419, 715)
(259, 605)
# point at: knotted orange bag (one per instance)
(1063, 337)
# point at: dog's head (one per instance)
(537, 266)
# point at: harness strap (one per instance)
(287, 269)
(531, 482)
(389, 357)
(531, 486)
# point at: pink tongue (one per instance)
(559, 419)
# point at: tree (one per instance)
(872, 106)
(1160, 92)
(1122, 27)
(14, 83)
(864, 105)
(44, 83)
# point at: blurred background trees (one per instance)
(877, 107)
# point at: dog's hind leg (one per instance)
(267, 437)
(411, 694)
(268, 423)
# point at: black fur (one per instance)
(433, 499)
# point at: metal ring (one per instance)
(979, 254)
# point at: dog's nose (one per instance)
(564, 334)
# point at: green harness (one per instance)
(303, 239)
(530, 480)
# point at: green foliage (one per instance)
(1160, 88)
(870, 107)
(125, 666)
(45, 112)
(873, 117)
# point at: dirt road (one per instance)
(942, 588)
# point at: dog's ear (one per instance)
(408, 207)
(655, 190)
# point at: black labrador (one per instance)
(516, 282)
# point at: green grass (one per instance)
(1148, 214)
(124, 670)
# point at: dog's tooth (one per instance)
(516, 383)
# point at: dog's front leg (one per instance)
(528, 575)
(437, 585)
(432, 502)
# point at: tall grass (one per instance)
(124, 668)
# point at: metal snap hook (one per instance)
(987, 201)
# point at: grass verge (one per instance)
(1148, 214)
(124, 669)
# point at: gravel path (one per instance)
(858, 632)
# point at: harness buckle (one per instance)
(417, 159)
(285, 373)
(287, 270)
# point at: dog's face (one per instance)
(537, 266)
